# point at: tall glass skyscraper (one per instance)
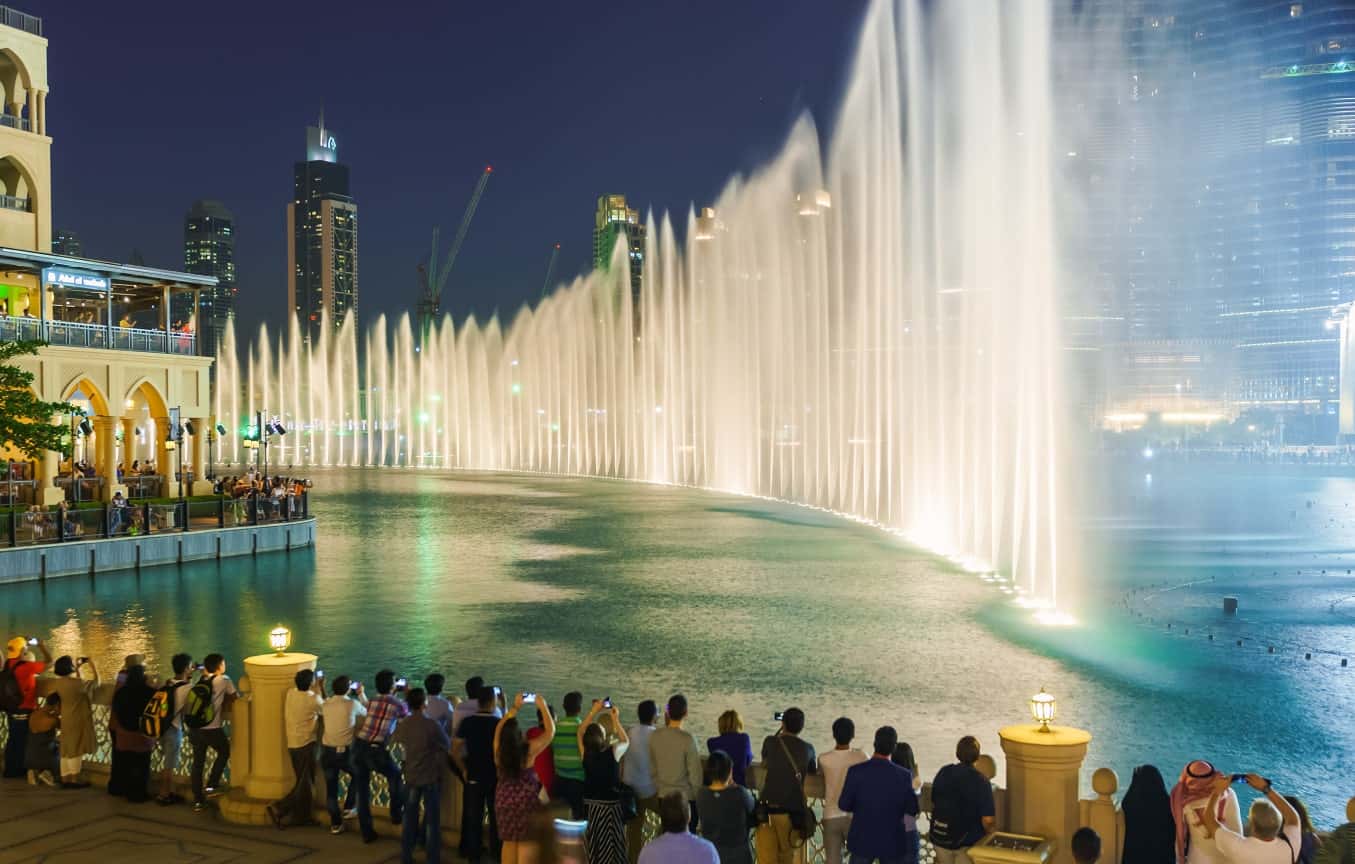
(611, 220)
(209, 250)
(1215, 145)
(322, 244)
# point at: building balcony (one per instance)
(77, 335)
(14, 202)
(20, 20)
(14, 122)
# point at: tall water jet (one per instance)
(873, 331)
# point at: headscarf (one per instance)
(1196, 782)
(130, 700)
(1150, 830)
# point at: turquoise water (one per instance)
(635, 591)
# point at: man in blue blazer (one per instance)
(879, 794)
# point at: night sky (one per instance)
(156, 104)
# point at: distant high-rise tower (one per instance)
(322, 237)
(613, 219)
(66, 243)
(209, 250)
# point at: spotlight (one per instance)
(190, 428)
(275, 428)
(221, 430)
(86, 428)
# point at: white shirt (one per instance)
(833, 765)
(341, 714)
(1202, 849)
(300, 712)
(1252, 850)
(635, 770)
(439, 709)
(221, 686)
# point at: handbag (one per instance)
(805, 822)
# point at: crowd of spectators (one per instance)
(519, 763)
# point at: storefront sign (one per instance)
(63, 278)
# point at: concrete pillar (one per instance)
(261, 770)
(104, 432)
(128, 442)
(47, 493)
(1101, 815)
(1042, 777)
(165, 459)
(201, 485)
(42, 113)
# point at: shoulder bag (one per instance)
(805, 822)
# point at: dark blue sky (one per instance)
(155, 104)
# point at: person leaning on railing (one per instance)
(962, 805)
(787, 760)
(77, 716)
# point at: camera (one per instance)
(779, 716)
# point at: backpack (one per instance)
(159, 710)
(11, 694)
(947, 818)
(199, 709)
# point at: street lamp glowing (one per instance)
(1043, 708)
(280, 639)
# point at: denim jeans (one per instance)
(203, 739)
(16, 744)
(430, 796)
(369, 759)
(332, 762)
(476, 798)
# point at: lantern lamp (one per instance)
(1043, 708)
(280, 639)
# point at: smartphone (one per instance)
(400, 683)
(779, 716)
(33, 640)
(497, 691)
(528, 697)
(354, 685)
(319, 673)
(1238, 778)
(199, 667)
(607, 703)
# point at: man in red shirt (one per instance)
(19, 660)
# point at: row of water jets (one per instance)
(869, 329)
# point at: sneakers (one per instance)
(214, 791)
(336, 829)
(46, 779)
(199, 806)
(350, 814)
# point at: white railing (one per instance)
(81, 335)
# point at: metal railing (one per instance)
(38, 525)
(80, 335)
(14, 121)
(20, 20)
(14, 202)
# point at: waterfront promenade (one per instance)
(59, 826)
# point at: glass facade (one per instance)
(1219, 164)
(209, 250)
(324, 242)
(611, 220)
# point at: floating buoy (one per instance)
(1239, 643)
(1308, 655)
(1270, 650)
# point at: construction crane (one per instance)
(550, 270)
(431, 277)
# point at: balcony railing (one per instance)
(13, 202)
(97, 336)
(14, 122)
(20, 20)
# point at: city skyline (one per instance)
(725, 77)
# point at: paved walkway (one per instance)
(57, 826)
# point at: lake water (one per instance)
(635, 591)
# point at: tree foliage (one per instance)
(25, 420)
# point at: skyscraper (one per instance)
(209, 250)
(65, 243)
(612, 220)
(322, 237)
